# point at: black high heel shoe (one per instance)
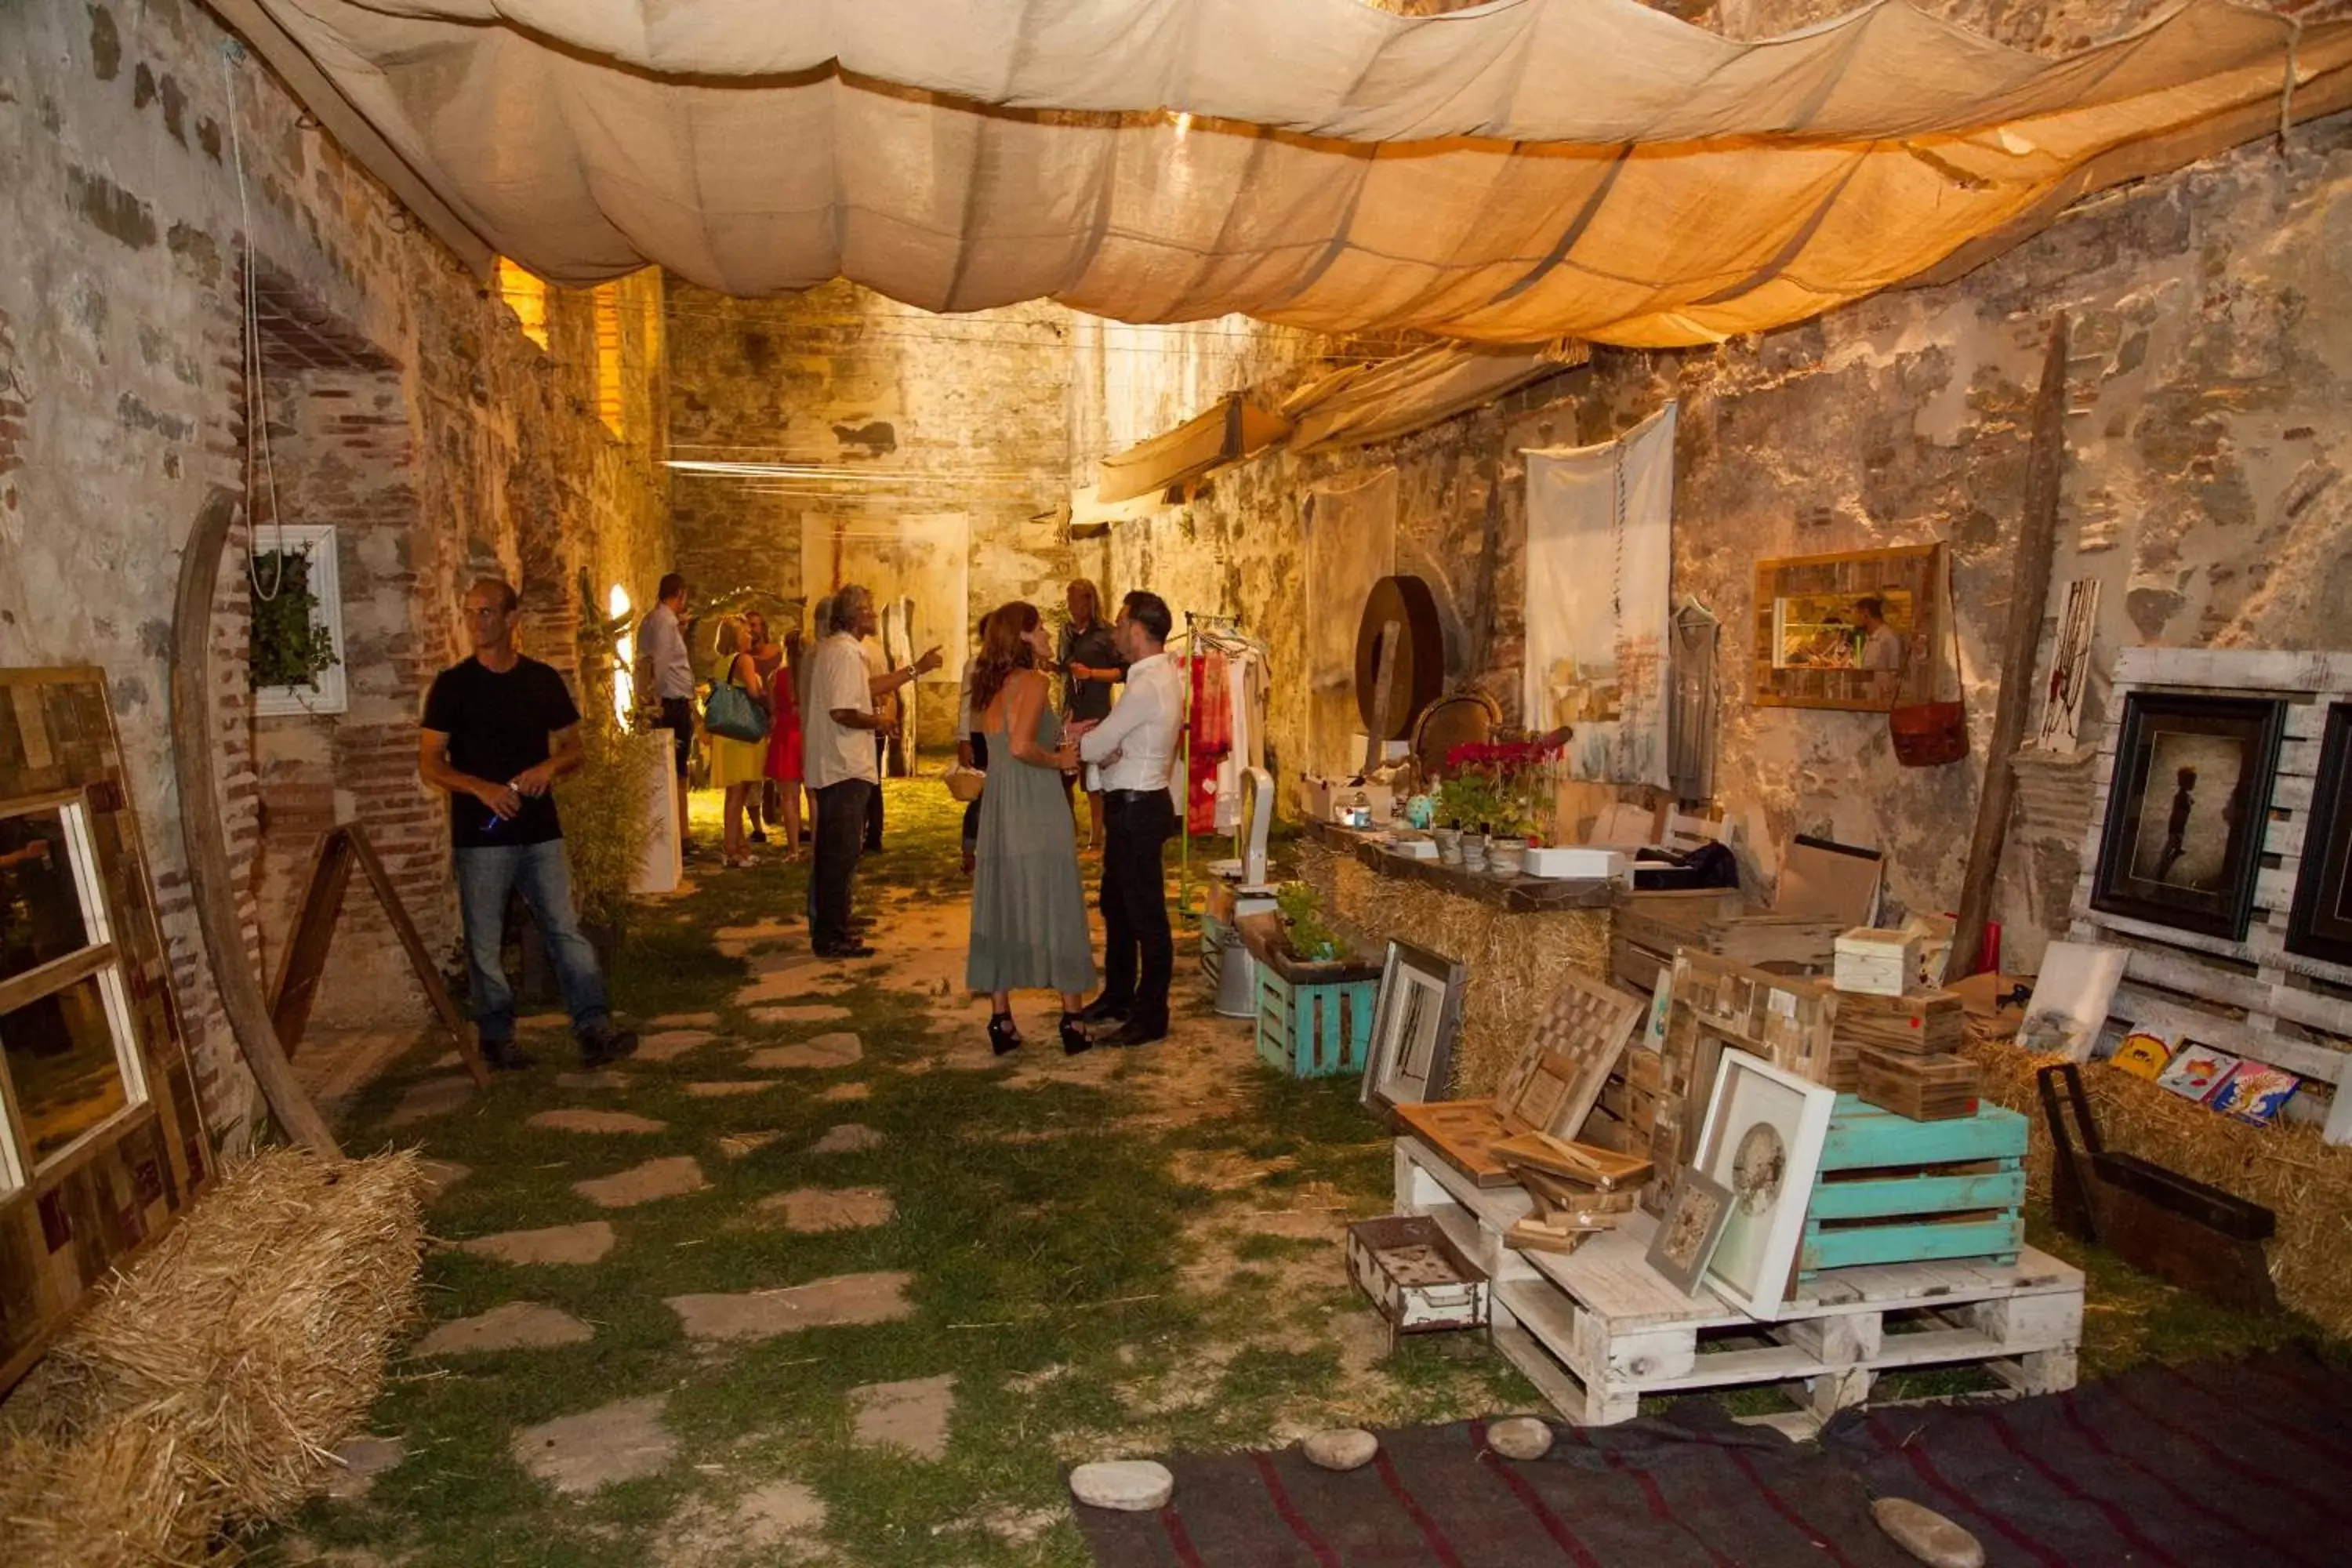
(1073, 1038)
(1003, 1034)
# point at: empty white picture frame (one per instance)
(1762, 1140)
(2071, 998)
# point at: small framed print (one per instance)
(1685, 1244)
(2186, 810)
(1763, 1139)
(1413, 1025)
(2320, 923)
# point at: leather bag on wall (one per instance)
(1930, 734)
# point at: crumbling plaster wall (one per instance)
(120, 332)
(2206, 438)
(931, 414)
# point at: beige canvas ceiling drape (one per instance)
(1527, 170)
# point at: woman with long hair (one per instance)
(1028, 906)
(778, 798)
(739, 767)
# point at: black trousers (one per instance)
(971, 812)
(1138, 953)
(840, 830)
(874, 801)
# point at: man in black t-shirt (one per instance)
(499, 731)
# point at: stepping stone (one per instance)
(1343, 1448)
(721, 1090)
(671, 1044)
(812, 1209)
(666, 1178)
(845, 1298)
(735, 1145)
(848, 1091)
(595, 1122)
(518, 1325)
(764, 930)
(683, 1021)
(806, 976)
(359, 1461)
(839, 1049)
(604, 1077)
(431, 1097)
(1520, 1438)
(1130, 1486)
(849, 1138)
(912, 1415)
(440, 1175)
(585, 1243)
(1926, 1534)
(579, 1454)
(772, 1515)
(776, 963)
(801, 1012)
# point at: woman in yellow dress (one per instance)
(739, 767)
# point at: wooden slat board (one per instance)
(1577, 1042)
(2192, 984)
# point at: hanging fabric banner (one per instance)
(1600, 571)
(1350, 545)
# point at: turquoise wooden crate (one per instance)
(1318, 1029)
(1892, 1190)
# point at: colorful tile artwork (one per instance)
(2143, 1055)
(2196, 1071)
(2254, 1091)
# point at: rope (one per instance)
(256, 401)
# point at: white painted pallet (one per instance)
(1597, 1328)
(2290, 1011)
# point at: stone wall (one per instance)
(123, 402)
(929, 418)
(2205, 439)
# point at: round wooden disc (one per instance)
(1417, 654)
(1465, 719)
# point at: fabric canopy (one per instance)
(1526, 170)
(1379, 402)
(1232, 429)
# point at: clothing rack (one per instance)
(1223, 633)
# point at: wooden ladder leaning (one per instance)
(298, 972)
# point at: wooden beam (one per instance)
(2045, 464)
(205, 838)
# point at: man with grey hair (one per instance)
(837, 730)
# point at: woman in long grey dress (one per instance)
(1028, 906)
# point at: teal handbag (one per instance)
(731, 713)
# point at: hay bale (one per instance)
(1515, 960)
(211, 1384)
(2307, 1183)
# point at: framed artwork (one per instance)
(1855, 630)
(2071, 998)
(2187, 809)
(1688, 1233)
(1763, 1139)
(2320, 925)
(1414, 1026)
(1579, 1036)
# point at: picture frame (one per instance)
(1812, 647)
(1415, 1022)
(1690, 1229)
(2319, 922)
(1762, 1140)
(2188, 807)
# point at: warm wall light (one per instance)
(526, 296)
(1183, 124)
(610, 406)
(617, 603)
(624, 651)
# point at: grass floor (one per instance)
(1115, 1255)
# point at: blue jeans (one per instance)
(540, 872)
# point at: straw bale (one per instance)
(2284, 1166)
(208, 1387)
(1515, 960)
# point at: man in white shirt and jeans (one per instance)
(838, 730)
(665, 679)
(1134, 747)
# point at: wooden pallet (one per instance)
(2252, 997)
(1598, 1329)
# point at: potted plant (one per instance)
(607, 801)
(1316, 996)
(1466, 803)
(1513, 788)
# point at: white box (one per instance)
(1565, 861)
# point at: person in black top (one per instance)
(499, 729)
(1090, 665)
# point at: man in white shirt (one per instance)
(1134, 747)
(1882, 649)
(665, 677)
(838, 730)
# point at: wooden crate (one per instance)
(1416, 1276)
(1925, 1089)
(1650, 927)
(1314, 1029)
(1598, 1329)
(2252, 997)
(1924, 1022)
(1892, 1190)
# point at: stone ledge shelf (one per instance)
(1512, 895)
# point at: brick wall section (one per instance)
(123, 406)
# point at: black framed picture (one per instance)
(2320, 925)
(2187, 809)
